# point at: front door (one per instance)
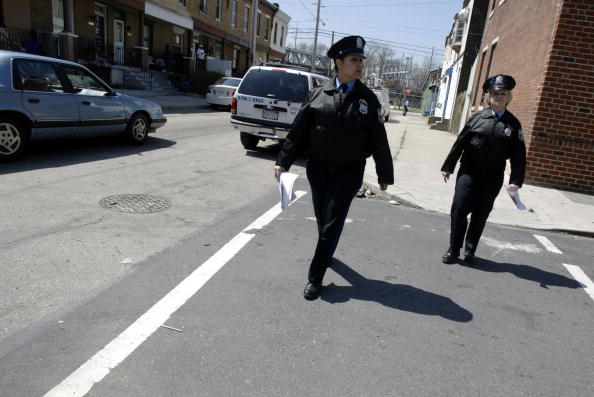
(118, 41)
(52, 107)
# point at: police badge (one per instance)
(507, 132)
(362, 106)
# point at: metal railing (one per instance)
(31, 41)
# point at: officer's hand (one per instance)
(446, 175)
(512, 187)
(383, 186)
(277, 171)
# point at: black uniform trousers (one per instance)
(332, 192)
(475, 194)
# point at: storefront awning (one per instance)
(168, 16)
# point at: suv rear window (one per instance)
(273, 84)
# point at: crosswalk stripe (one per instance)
(115, 352)
(547, 244)
(581, 277)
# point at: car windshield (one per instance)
(228, 81)
(275, 84)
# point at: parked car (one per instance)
(267, 101)
(43, 98)
(221, 92)
(383, 96)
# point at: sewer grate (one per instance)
(135, 203)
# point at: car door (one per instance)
(100, 111)
(52, 107)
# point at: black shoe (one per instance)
(450, 256)
(468, 257)
(312, 291)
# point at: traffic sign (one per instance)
(407, 91)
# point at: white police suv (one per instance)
(267, 101)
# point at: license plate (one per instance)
(270, 114)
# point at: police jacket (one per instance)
(340, 131)
(486, 142)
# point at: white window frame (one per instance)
(219, 10)
(258, 23)
(203, 6)
(58, 20)
(282, 35)
(267, 28)
(234, 10)
(246, 18)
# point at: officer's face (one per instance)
(499, 99)
(350, 68)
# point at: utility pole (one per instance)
(329, 62)
(296, 31)
(313, 59)
(254, 28)
(431, 59)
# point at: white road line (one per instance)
(581, 277)
(97, 367)
(547, 244)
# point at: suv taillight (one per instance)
(233, 105)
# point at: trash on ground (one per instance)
(174, 329)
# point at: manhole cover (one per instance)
(136, 203)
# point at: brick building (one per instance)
(135, 33)
(548, 46)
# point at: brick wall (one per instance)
(562, 149)
(547, 45)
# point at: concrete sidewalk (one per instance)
(419, 152)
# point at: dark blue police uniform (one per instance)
(483, 146)
(339, 126)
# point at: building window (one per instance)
(203, 6)
(218, 10)
(219, 49)
(58, 15)
(275, 31)
(282, 35)
(493, 5)
(182, 2)
(147, 37)
(258, 24)
(266, 27)
(478, 82)
(488, 73)
(234, 13)
(246, 18)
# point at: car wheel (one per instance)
(249, 141)
(137, 130)
(13, 139)
(387, 118)
(213, 106)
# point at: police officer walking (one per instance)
(488, 139)
(339, 125)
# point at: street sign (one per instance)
(407, 91)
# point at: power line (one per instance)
(394, 5)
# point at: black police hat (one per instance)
(499, 82)
(350, 45)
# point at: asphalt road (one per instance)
(392, 320)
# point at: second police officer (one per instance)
(339, 125)
(488, 139)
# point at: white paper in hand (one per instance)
(515, 196)
(286, 183)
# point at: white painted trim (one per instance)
(495, 40)
(155, 11)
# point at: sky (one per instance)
(412, 28)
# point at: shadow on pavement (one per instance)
(530, 273)
(64, 152)
(271, 151)
(396, 296)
